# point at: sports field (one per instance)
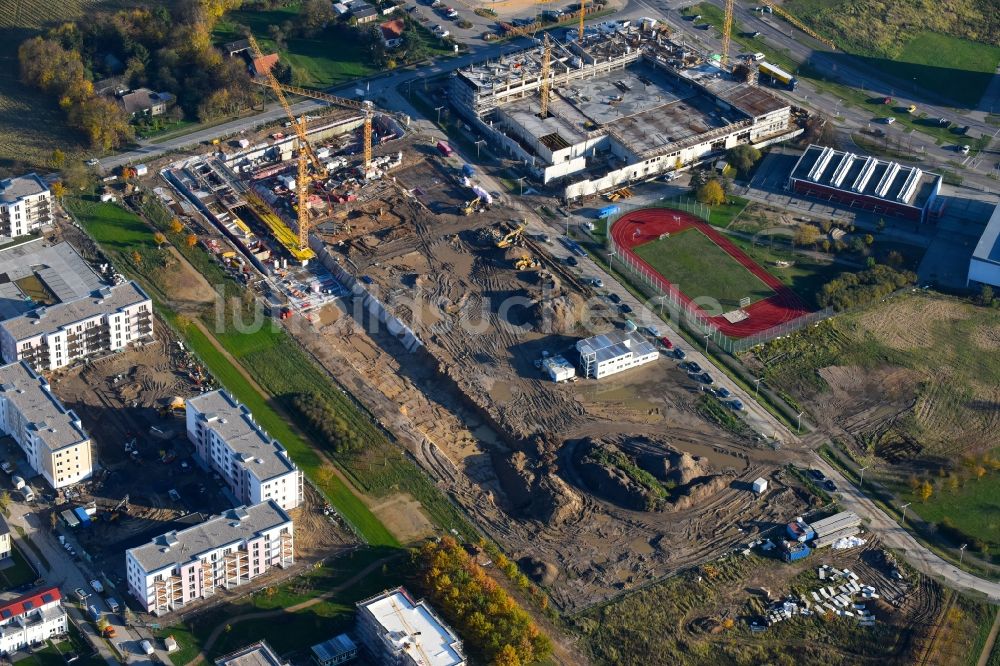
(704, 262)
(701, 269)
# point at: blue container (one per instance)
(82, 515)
(608, 211)
(468, 171)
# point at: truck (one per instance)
(776, 76)
(95, 614)
(608, 211)
(113, 604)
(445, 149)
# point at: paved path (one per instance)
(991, 640)
(278, 612)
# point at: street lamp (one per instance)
(862, 482)
(961, 553)
(798, 421)
(707, 336)
(521, 181)
(903, 522)
(478, 146)
(756, 386)
(438, 109)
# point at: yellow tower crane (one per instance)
(402, 620)
(306, 154)
(583, 12)
(727, 33)
(546, 67)
(798, 24)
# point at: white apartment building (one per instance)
(5, 542)
(609, 353)
(401, 631)
(223, 552)
(226, 439)
(25, 206)
(52, 337)
(51, 436)
(30, 619)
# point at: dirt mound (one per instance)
(536, 492)
(560, 314)
(605, 476)
(540, 571)
(687, 468)
(694, 493)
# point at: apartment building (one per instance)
(30, 619)
(401, 631)
(25, 206)
(255, 654)
(228, 441)
(51, 436)
(5, 543)
(52, 337)
(223, 552)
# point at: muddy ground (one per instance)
(476, 412)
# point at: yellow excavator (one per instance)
(470, 207)
(525, 263)
(512, 236)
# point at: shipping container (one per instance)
(608, 211)
(444, 149)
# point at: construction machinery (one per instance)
(583, 13)
(798, 24)
(512, 235)
(525, 263)
(424, 659)
(543, 111)
(470, 207)
(306, 154)
(727, 33)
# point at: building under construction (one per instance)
(623, 105)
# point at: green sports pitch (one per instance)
(693, 263)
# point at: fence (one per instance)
(681, 310)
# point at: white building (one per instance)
(31, 619)
(559, 369)
(51, 436)
(5, 543)
(256, 654)
(984, 267)
(25, 206)
(226, 438)
(404, 632)
(606, 354)
(52, 337)
(223, 552)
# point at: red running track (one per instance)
(642, 226)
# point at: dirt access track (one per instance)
(474, 410)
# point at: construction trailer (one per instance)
(793, 550)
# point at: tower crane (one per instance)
(543, 111)
(402, 620)
(306, 154)
(727, 33)
(583, 12)
(798, 24)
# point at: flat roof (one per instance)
(988, 247)
(31, 395)
(232, 527)
(18, 187)
(414, 628)
(615, 344)
(60, 267)
(864, 175)
(835, 519)
(48, 319)
(221, 413)
(256, 654)
(334, 647)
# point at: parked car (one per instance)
(679, 353)
(653, 331)
(95, 614)
(614, 298)
(113, 604)
(93, 161)
(816, 474)
(96, 585)
(29, 495)
(597, 282)
(965, 149)
(667, 344)
(81, 594)
(625, 308)
(830, 485)
(707, 378)
(890, 120)
(18, 482)
(693, 367)
(722, 392)
(7, 467)
(736, 404)
(147, 648)
(571, 261)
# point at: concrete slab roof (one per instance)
(18, 187)
(988, 247)
(43, 413)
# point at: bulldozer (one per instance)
(511, 236)
(173, 407)
(525, 263)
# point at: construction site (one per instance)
(616, 104)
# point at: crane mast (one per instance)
(727, 33)
(544, 90)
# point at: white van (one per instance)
(18, 482)
(146, 647)
(29, 495)
(757, 57)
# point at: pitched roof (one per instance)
(144, 99)
(28, 602)
(264, 64)
(392, 29)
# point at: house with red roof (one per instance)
(262, 65)
(392, 33)
(30, 619)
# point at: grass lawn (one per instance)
(19, 573)
(974, 507)
(805, 275)
(700, 268)
(334, 56)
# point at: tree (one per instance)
(894, 258)
(57, 189)
(925, 490)
(53, 520)
(136, 257)
(103, 121)
(953, 482)
(507, 657)
(4, 502)
(986, 295)
(711, 193)
(979, 471)
(869, 239)
(743, 157)
(176, 226)
(159, 238)
(806, 235)
(58, 158)
(191, 240)
(314, 16)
